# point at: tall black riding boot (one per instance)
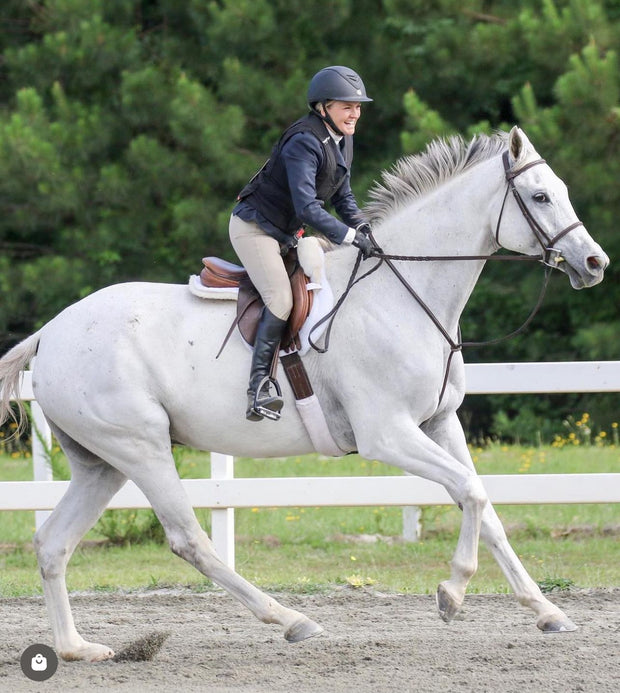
(261, 401)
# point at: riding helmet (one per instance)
(336, 83)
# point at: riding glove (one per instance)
(364, 243)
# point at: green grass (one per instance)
(309, 549)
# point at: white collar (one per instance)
(334, 136)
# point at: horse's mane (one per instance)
(418, 174)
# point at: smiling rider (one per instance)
(309, 166)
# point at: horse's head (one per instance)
(537, 216)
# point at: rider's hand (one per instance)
(364, 243)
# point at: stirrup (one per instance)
(267, 406)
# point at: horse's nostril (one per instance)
(594, 263)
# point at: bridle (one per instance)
(550, 257)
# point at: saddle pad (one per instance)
(197, 288)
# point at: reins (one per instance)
(329, 317)
(550, 257)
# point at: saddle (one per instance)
(221, 274)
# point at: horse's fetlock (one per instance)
(464, 569)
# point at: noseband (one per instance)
(550, 256)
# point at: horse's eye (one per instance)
(541, 197)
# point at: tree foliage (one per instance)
(127, 128)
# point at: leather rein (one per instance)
(550, 257)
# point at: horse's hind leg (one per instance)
(93, 483)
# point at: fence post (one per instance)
(412, 521)
(223, 521)
(41, 462)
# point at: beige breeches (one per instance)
(260, 255)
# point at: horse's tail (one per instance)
(11, 366)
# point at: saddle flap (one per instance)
(249, 309)
(221, 274)
(302, 305)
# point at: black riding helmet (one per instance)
(335, 83)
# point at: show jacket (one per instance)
(306, 170)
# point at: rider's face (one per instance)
(345, 115)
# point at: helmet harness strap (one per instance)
(327, 118)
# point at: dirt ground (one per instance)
(372, 642)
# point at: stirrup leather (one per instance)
(268, 406)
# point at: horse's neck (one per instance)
(455, 219)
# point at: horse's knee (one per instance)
(180, 545)
(193, 547)
(472, 499)
(473, 494)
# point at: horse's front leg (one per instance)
(406, 446)
(160, 482)
(447, 431)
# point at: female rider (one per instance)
(308, 167)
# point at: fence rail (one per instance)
(223, 493)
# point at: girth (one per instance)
(218, 273)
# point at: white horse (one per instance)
(126, 370)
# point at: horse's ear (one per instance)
(518, 145)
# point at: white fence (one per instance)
(223, 493)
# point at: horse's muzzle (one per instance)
(588, 271)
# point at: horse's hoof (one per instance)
(89, 652)
(556, 624)
(447, 605)
(302, 630)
